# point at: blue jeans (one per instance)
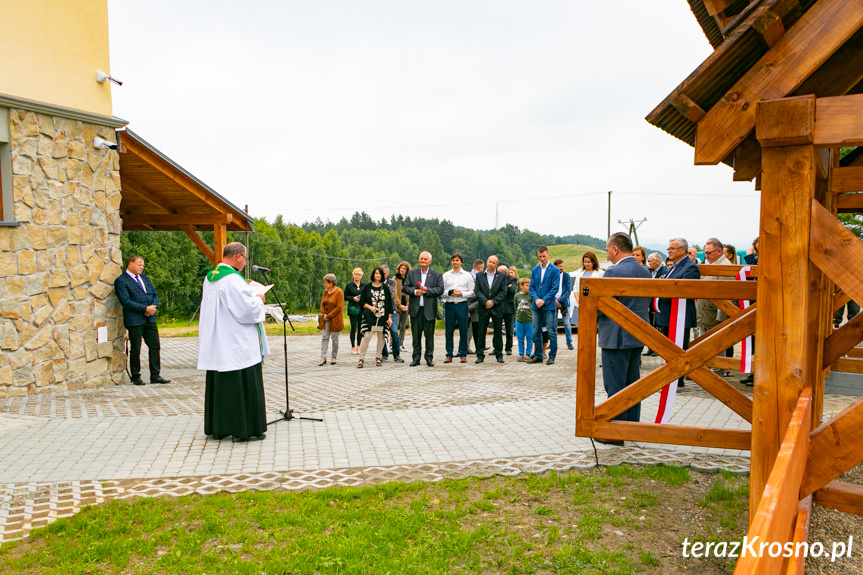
(548, 318)
(456, 313)
(524, 335)
(567, 328)
(394, 337)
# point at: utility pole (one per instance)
(608, 233)
(246, 270)
(496, 216)
(632, 227)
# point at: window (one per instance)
(6, 211)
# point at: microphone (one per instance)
(260, 269)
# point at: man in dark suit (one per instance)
(490, 290)
(139, 300)
(657, 271)
(509, 308)
(683, 269)
(544, 281)
(426, 286)
(621, 352)
(562, 303)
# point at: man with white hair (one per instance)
(425, 285)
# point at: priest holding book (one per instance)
(233, 344)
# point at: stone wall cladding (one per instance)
(58, 267)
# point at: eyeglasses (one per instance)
(243, 255)
(672, 248)
(711, 251)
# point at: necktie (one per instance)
(140, 283)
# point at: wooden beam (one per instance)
(782, 341)
(156, 200)
(729, 271)
(776, 515)
(715, 7)
(839, 74)
(687, 108)
(747, 159)
(844, 497)
(842, 340)
(666, 433)
(786, 122)
(797, 563)
(833, 247)
(726, 306)
(769, 26)
(839, 121)
(585, 381)
(848, 180)
(219, 240)
(840, 298)
(688, 289)
(179, 219)
(835, 448)
(678, 363)
(825, 27)
(198, 241)
(731, 317)
(847, 365)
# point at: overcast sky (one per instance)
(437, 109)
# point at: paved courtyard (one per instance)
(61, 451)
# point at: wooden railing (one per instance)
(598, 296)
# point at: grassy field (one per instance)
(571, 255)
(182, 328)
(610, 520)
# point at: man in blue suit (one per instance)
(139, 300)
(621, 352)
(544, 282)
(683, 269)
(562, 303)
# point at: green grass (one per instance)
(571, 254)
(525, 524)
(185, 328)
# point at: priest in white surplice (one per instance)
(233, 344)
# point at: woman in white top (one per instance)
(589, 269)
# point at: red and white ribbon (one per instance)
(746, 344)
(676, 329)
(656, 304)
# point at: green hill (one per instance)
(571, 255)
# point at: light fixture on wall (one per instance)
(104, 144)
(102, 77)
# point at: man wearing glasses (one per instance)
(683, 268)
(709, 316)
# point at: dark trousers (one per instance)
(620, 368)
(853, 310)
(150, 335)
(508, 327)
(455, 315)
(422, 327)
(394, 338)
(356, 334)
(664, 330)
(482, 329)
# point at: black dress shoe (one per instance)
(480, 359)
(219, 437)
(160, 379)
(430, 363)
(250, 438)
(415, 363)
(535, 359)
(647, 353)
(500, 359)
(550, 361)
(748, 381)
(398, 360)
(509, 352)
(137, 381)
(608, 441)
(570, 347)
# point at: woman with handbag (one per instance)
(377, 305)
(352, 295)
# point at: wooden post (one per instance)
(785, 345)
(220, 235)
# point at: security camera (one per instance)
(104, 144)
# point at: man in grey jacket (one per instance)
(621, 352)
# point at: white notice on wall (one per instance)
(101, 334)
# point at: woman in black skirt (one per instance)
(377, 305)
(352, 295)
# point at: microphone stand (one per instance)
(288, 413)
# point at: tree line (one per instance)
(300, 255)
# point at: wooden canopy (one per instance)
(159, 195)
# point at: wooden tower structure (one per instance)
(780, 100)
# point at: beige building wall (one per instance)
(50, 51)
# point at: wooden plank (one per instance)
(725, 271)
(839, 121)
(726, 306)
(847, 365)
(747, 159)
(687, 108)
(219, 240)
(844, 497)
(709, 381)
(855, 352)
(715, 7)
(671, 434)
(776, 515)
(198, 241)
(834, 248)
(722, 325)
(786, 121)
(130, 185)
(723, 362)
(689, 289)
(782, 341)
(585, 381)
(835, 448)
(797, 563)
(848, 179)
(676, 367)
(842, 340)
(178, 219)
(769, 26)
(840, 299)
(825, 27)
(839, 74)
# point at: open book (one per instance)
(259, 288)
